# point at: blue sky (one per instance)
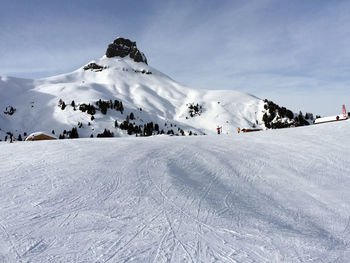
(296, 53)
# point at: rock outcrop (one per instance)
(122, 47)
(94, 67)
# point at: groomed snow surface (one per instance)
(270, 196)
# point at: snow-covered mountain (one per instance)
(122, 76)
(273, 196)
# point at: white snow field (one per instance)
(270, 196)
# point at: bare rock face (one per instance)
(122, 47)
(94, 67)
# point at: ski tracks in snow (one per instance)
(200, 233)
(12, 245)
(119, 246)
(177, 200)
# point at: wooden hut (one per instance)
(40, 136)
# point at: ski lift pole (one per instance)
(345, 115)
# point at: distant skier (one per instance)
(337, 118)
(218, 129)
(238, 130)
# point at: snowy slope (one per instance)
(272, 196)
(161, 99)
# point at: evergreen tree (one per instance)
(121, 107)
(91, 109)
(289, 114)
(265, 118)
(103, 109)
(116, 105)
(106, 133)
(130, 129)
(156, 127)
(73, 133)
(63, 105)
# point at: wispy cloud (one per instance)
(284, 50)
(294, 52)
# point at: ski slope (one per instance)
(270, 196)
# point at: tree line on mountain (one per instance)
(104, 105)
(70, 134)
(11, 136)
(194, 109)
(101, 105)
(277, 117)
(147, 129)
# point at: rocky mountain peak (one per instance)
(122, 47)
